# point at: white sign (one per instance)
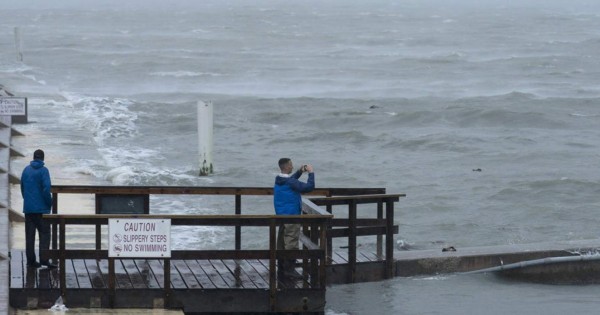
(10, 106)
(147, 238)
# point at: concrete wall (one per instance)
(6, 213)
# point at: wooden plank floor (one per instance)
(149, 273)
(341, 257)
(139, 284)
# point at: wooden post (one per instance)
(167, 283)
(322, 266)
(112, 288)
(238, 228)
(98, 237)
(352, 241)
(272, 268)
(329, 250)
(62, 262)
(205, 137)
(379, 236)
(306, 232)
(389, 239)
(314, 267)
(54, 226)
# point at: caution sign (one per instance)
(145, 238)
(13, 106)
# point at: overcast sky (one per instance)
(583, 5)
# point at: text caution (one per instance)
(13, 106)
(146, 238)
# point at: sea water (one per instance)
(485, 113)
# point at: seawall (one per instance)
(7, 215)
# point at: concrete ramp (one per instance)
(432, 262)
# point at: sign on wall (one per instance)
(131, 237)
(13, 106)
(16, 107)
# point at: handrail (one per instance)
(199, 190)
(358, 199)
(185, 219)
(310, 207)
(354, 227)
(314, 250)
(238, 192)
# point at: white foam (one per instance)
(110, 121)
(106, 117)
(85, 170)
(182, 73)
(14, 67)
(199, 30)
(198, 237)
(583, 115)
(122, 175)
(128, 173)
(433, 278)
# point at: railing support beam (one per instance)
(272, 264)
(352, 242)
(389, 239)
(238, 229)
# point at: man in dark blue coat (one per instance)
(287, 200)
(37, 201)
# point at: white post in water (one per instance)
(18, 44)
(205, 137)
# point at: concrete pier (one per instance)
(433, 262)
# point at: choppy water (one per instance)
(414, 96)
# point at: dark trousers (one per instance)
(33, 222)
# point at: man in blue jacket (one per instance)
(287, 200)
(37, 200)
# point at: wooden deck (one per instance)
(217, 285)
(229, 280)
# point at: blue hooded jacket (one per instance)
(286, 193)
(35, 188)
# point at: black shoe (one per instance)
(34, 264)
(49, 265)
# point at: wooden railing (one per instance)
(352, 227)
(237, 192)
(313, 254)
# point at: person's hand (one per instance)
(309, 168)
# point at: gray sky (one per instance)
(583, 5)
